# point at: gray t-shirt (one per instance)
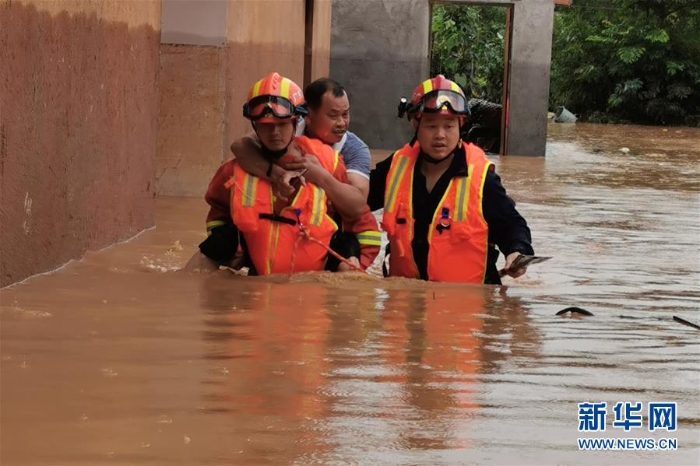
(353, 150)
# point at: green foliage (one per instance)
(628, 60)
(468, 48)
(612, 60)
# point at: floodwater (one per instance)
(122, 359)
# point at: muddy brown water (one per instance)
(120, 358)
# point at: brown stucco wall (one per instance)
(203, 88)
(191, 122)
(78, 124)
(263, 36)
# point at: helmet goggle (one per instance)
(435, 102)
(271, 105)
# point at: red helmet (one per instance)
(274, 97)
(436, 95)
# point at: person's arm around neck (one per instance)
(360, 183)
(346, 198)
(249, 157)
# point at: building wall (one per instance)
(263, 36)
(379, 52)
(192, 93)
(78, 124)
(196, 22)
(191, 121)
(212, 53)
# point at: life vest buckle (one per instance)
(445, 221)
(302, 228)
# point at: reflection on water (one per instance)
(122, 359)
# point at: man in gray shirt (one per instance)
(328, 120)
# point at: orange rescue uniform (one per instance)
(271, 230)
(458, 235)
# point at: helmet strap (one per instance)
(269, 154)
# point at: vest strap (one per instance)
(277, 218)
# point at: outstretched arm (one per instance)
(249, 157)
(347, 199)
(507, 228)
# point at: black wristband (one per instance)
(269, 171)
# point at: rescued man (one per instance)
(284, 234)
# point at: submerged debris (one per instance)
(575, 310)
(685, 322)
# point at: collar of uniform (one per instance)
(458, 166)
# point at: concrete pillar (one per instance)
(531, 53)
(379, 52)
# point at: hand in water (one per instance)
(343, 267)
(509, 261)
(200, 263)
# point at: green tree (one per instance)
(628, 60)
(467, 46)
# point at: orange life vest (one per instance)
(458, 235)
(272, 238)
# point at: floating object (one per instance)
(624, 150)
(575, 310)
(523, 261)
(685, 322)
(562, 115)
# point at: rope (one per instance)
(305, 234)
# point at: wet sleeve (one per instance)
(356, 156)
(377, 184)
(222, 236)
(507, 228)
(366, 230)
